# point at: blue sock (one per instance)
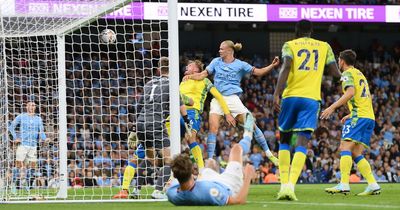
(260, 138)
(246, 144)
(16, 174)
(211, 141)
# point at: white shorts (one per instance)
(232, 177)
(235, 105)
(26, 153)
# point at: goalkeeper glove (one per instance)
(188, 125)
(140, 152)
(132, 139)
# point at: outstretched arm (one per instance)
(267, 69)
(283, 76)
(196, 76)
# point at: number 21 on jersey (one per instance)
(307, 55)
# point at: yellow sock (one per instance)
(365, 168)
(299, 159)
(345, 166)
(197, 154)
(129, 173)
(284, 163)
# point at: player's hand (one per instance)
(185, 78)
(132, 139)
(343, 120)
(249, 171)
(231, 120)
(327, 113)
(275, 62)
(188, 125)
(277, 103)
(17, 141)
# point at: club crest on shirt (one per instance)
(214, 192)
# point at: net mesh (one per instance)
(104, 82)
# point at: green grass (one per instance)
(261, 197)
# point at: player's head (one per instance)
(195, 66)
(228, 48)
(304, 28)
(163, 65)
(30, 107)
(347, 58)
(182, 168)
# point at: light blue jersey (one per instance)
(203, 193)
(227, 76)
(29, 129)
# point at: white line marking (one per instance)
(325, 204)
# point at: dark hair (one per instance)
(349, 57)
(182, 168)
(163, 64)
(304, 28)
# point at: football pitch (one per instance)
(260, 197)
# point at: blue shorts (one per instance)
(298, 114)
(358, 130)
(195, 119)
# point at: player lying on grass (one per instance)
(358, 126)
(198, 90)
(211, 188)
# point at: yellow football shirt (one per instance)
(360, 105)
(309, 58)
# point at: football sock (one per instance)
(284, 162)
(260, 138)
(211, 141)
(345, 166)
(365, 168)
(129, 173)
(197, 154)
(299, 159)
(245, 143)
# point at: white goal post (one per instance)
(86, 94)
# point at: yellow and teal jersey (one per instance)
(196, 90)
(309, 58)
(360, 105)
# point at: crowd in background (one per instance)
(101, 99)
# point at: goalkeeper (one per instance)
(151, 132)
(197, 90)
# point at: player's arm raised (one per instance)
(241, 197)
(217, 95)
(267, 69)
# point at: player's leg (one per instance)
(162, 144)
(21, 154)
(31, 167)
(195, 149)
(260, 138)
(362, 164)
(233, 176)
(286, 121)
(212, 135)
(346, 163)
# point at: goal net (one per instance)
(86, 89)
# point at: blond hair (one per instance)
(198, 63)
(235, 47)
